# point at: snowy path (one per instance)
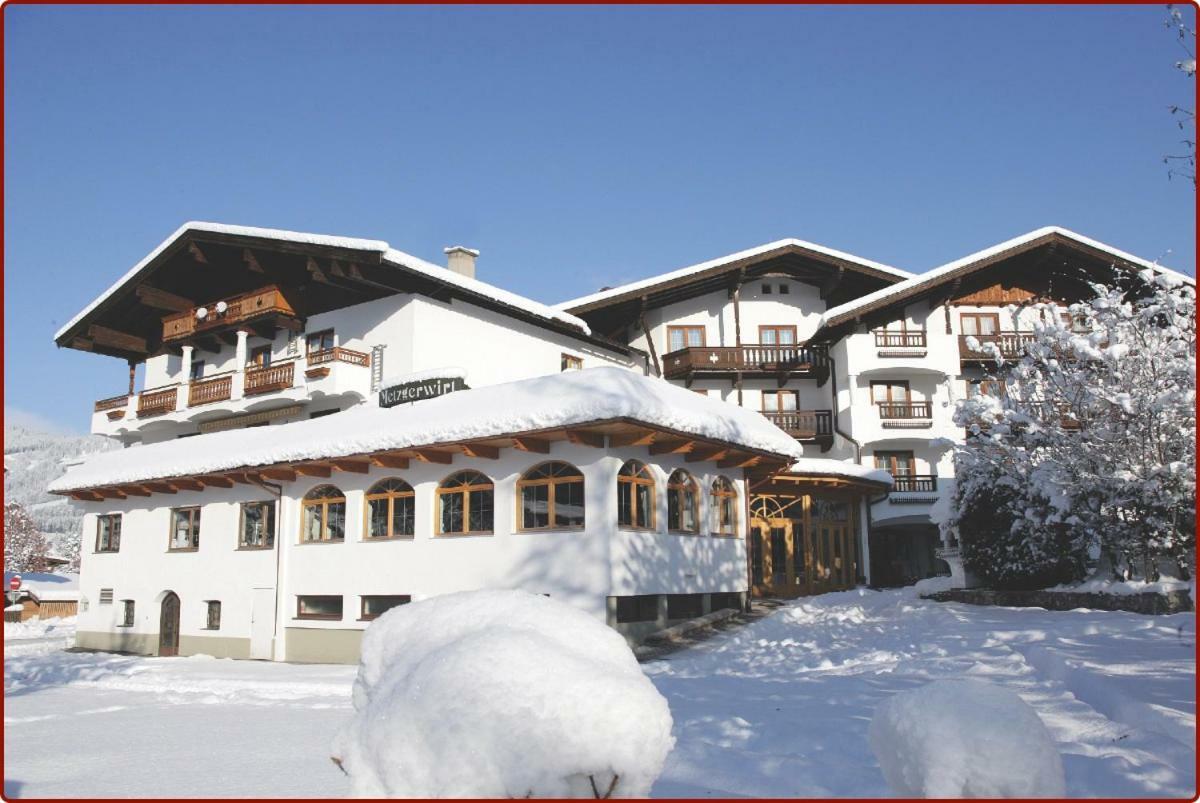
(777, 708)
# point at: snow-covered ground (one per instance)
(779, 708)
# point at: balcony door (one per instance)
(898, 464)
(979, 323)
(890, 391)
(780, 401)
(682, 337)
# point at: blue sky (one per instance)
(575, 147)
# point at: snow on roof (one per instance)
(46, 587)
(719, 261)
(390, 255)
(930, 278)
(572, 398)
(823, 466)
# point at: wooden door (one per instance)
(168, 625)
(776, 557)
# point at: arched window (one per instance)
(465, 504)
(635, 496)
(390, 509)
(323, 515)
(551, 495)
(683, 503)
(724, 507)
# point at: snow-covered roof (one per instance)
(571, 398)
(933, 277)
(388, 254)
(46, 587)
(825, 467)
(662, 278)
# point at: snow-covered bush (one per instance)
(501, 694)
(25, 547)
(1090, 447)
(964, 738)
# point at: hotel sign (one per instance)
(420, 390)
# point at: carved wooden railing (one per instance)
(914, 483)
(113, 403)
(899, 340)
(271, 378)
(803, 424)
(1011, 345)
(338, 354)
(905, 411)
(157, 402)
(238, 309)
(213, 389)
(748, 357)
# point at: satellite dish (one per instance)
(202, 313)
(221, 307)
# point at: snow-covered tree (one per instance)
(25, 547)
(1091, 446)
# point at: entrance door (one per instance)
(262, 623)
(776, 557)
(168, 625)
(833, 547)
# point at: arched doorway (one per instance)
(168, 625)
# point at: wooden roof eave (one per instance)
(725, 455)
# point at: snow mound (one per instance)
(933, 585)
(964, 738)
(501, 694)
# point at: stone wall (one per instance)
(1171, 602)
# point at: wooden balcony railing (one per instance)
(157, 402)
(114, 403)
(269, 379)
(749, 358)
(803, 424)
(238, 309)
(914, 483)
(1011, 345)
(899, 340)
(213, 389)
(338, 354)
(905, 411)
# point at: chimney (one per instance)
(461, 259)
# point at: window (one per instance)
(126, 613)
(323, 515)
(725, 599)
(777, 335)
(319, 341)
(106, 596)
(683, 503)
(780, 401)
(571, 363)
(898, 464)
(766, 289)
(260, 356)
(685, 606)
(258, 525)
(642, 608)
(995, 388)
(213, 618)
(318, 607)
(724, 507)
(323, 413)
(185, 529)
(635, 496)
(374, 606)
(391, 507)
(680, 337)
(784, 289)
(979, 323)
(465, 504)
(197, 370)
(889, 391)
(551, 495)
(108, 532)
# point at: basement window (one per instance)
(319, 607)
(376, 605)
(641, 608)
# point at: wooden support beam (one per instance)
(197, 254)
(279, 474)
(313, 469)
(161, 487)
(81, 343)
(649, 338)
(188, 485)
(353, 272)
(242, 477)
(215, 481)
(481, 451)
(315, 271)
(581, 437)
(120, 340)
(704, 455)
(355, 466)
(110, 493)
(134, 490)
(335, 269)
(532, 445)
(86, 496)
(672, 446)
(639, 437)
(389, 461)
(161, 299)
(738, 461)
(430, 456)
(251, 261)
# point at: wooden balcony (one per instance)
(753, 360)
(900, 341)
(338, 354)
(815, 426)
(112, 403)
(1011, 344)
(157, 402)
(914, 484)
(269, 379)
(265, 305)
(901, 415)
(207, 391)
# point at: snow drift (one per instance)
(501, 694)
(964, 738)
